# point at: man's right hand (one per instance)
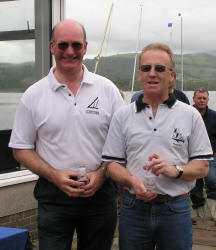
(140, 189)
(66, 181)
(61, 178)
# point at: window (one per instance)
(17, 49)
(25, 58)
(17, 68)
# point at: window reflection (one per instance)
(17, 72)
(17, 67)
(17, 60)
(17, 15)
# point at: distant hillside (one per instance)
(213, 53)
(16, 77)
(199, 70)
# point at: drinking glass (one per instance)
(149, 181)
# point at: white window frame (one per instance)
(17, 177)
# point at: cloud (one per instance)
(14, 16)
(17, 51)
(197, 15)
(198, 25)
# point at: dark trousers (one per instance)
(95, 227)
(196, 194)
(93, 218)
(211, 180)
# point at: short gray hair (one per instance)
(159, 46)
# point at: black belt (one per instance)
(163, 198)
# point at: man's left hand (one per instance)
(96, 179)
(158, 165)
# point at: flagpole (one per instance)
(171, 38)
(170, 41)
(182, 69)
(137, 48)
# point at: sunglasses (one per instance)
(158, 68)
(64, 45)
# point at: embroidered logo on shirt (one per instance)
(177, 137)
(94, 104)
(93, 107)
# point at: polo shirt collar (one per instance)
(140, 105)
(55, 85)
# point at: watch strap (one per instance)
(180, 169)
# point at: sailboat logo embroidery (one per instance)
(177, 137)
(93, 107)
(94, 104)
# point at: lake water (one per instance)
(8, 104)
(9, 101)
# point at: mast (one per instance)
(101, 46)
(137, 48)
(170, 40)
(182, 64)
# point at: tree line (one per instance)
(199, 71)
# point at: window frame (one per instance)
(47, 14)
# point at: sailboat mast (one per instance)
(137, 48)
(101, 46)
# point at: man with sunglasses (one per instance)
(156, 141)
(60, 126)
(179, 95)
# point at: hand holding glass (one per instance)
(149, 181)
(83, 177)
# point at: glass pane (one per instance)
(17, 60)
(17, 15)
(17, 67)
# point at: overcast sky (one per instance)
(198, 16)
(198, 23)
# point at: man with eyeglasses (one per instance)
(60, 127)
(153, 147)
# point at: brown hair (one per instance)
(201, 90)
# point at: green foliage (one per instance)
(199, 70)
(16, 77)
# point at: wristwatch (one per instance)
(180, 169)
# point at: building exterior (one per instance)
(24, 40)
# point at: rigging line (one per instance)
(107, 44)
(101, 46)
(137, 48)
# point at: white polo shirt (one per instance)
(177, 134)
(66, 131)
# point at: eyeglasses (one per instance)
(64, 45)
(158, 68)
